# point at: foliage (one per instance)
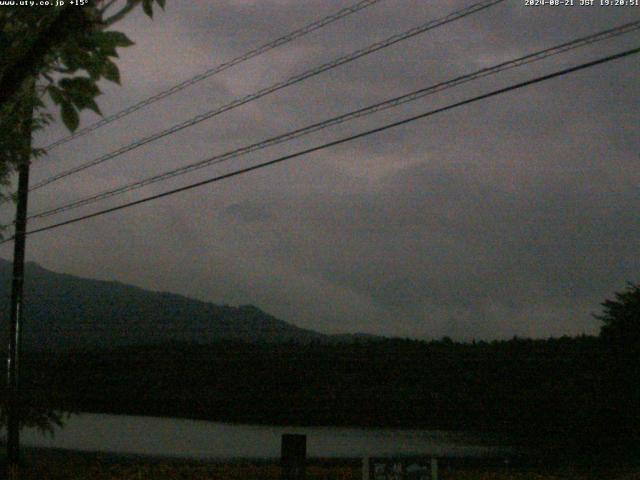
(511, 386)
(35, 412)
(58, 54)
(68, 50)
(620, 363)
(567, 396)
(621, 317)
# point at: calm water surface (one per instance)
(210, 440)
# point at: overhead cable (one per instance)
(311, 27)
(339, 141)
(390, 103)
(273, 88)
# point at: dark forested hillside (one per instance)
(67, 312)
(542, 389)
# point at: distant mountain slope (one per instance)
(63, 311)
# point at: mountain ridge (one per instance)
(64, 311)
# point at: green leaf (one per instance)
(110, 72)
(162, 3)
(38, 152)
(79, 93)
(147, 7)
(109, 52)
(69, 60)
(95, 67)
(69, 116)
(56, 94)
(79, 87)
(110, 39)
(74, 57)
(93, 106)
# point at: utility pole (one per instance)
(15, 321)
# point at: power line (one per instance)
(311, 27)
(275, 87)
(391, 103)
(341, 141)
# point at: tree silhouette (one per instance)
(620, 336)
(621, 318)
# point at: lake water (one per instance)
(214, 440)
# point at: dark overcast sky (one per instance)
(514, 216)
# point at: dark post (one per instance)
(294, 457)
(13, 357)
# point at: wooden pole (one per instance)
(17, 301)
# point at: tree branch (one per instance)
(107, 6)
(116, 17)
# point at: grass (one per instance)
(169, 471)
(248, 471)
(559, 475)
(41, 464)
